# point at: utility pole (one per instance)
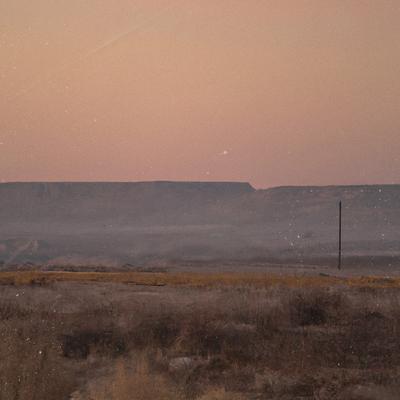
(340, 236)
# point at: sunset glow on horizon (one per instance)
(279, 92)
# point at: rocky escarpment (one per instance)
(138, 222)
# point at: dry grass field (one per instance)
(161, 336)
(259, 280)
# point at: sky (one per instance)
(273, 92)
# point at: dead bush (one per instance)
(156, 331)
(81, 344)
(372, 340)
(315, 308)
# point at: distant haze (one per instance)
(273, 92)
(174, 222)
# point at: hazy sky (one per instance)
(273, 92)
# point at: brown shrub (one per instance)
(315, 307)
(81, 344)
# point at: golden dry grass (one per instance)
(133, 384)
(115, 341)
(128, 382)
(197, 279)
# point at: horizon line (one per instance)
(283, 186)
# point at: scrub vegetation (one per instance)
(197, 336)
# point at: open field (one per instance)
(139, 336)
(258, 280)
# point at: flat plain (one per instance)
(198, 335)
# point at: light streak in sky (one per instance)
(138, 28)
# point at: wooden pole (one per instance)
(340, 236)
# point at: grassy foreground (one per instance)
(181, 336)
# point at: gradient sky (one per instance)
(273, 92)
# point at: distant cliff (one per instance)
(144, 221)
(138, 202)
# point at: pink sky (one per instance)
(272, 92)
